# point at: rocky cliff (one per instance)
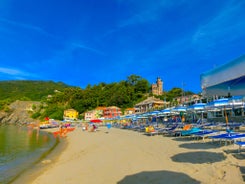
(19, 113)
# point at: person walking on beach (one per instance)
(108, 127)
(61, 130)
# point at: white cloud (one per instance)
(79, 45)
(26, 26)
(15, 73)
(147, 11)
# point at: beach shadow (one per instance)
(199, 145)
(158, 177)
(199, 157)
(183, 139)
(242, 169)
(240, 155)
(234, 152)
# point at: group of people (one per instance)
(90, 128)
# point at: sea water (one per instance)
(20, 148)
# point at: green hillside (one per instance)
(123, 94)
(29, 90)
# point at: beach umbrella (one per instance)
(221, 102)
(153, 113)
(180, 109)
(165, 111)
(197, 106)
(236, 101)
(218, 104)
(96, 121)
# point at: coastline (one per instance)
(124, 156)
(29, 175)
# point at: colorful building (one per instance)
(70, 114)
(90, 115)
(129, 111)
(149, 104)
(112, 112)
(97, 113)
(189, 99)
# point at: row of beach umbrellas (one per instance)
(234, 102)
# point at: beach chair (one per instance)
(150, 130)
(205, 134)
(169, 131)
(185, 128)
(228, 137)
(241, 144)
(190, 131)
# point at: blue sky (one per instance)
(87, 42)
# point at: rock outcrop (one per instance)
(19, 113)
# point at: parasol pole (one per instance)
(226, 117)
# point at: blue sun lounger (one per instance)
(205, 133)
(190, 132)
(228, 137)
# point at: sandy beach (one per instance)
(125, 156)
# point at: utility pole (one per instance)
(183, 93)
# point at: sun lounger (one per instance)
(190, 131)
(169, 131)
(231, 137)
(205, 133)
(241, 144)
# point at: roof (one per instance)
(70, 110)
(130, 109)
(150, 100)
(100, 108)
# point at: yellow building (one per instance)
(129, 111)
(70, 114)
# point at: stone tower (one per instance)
(157, 89)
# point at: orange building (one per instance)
(112, 112)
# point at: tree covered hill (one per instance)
(123, 94)
(28, 89)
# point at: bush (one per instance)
(36, 115)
